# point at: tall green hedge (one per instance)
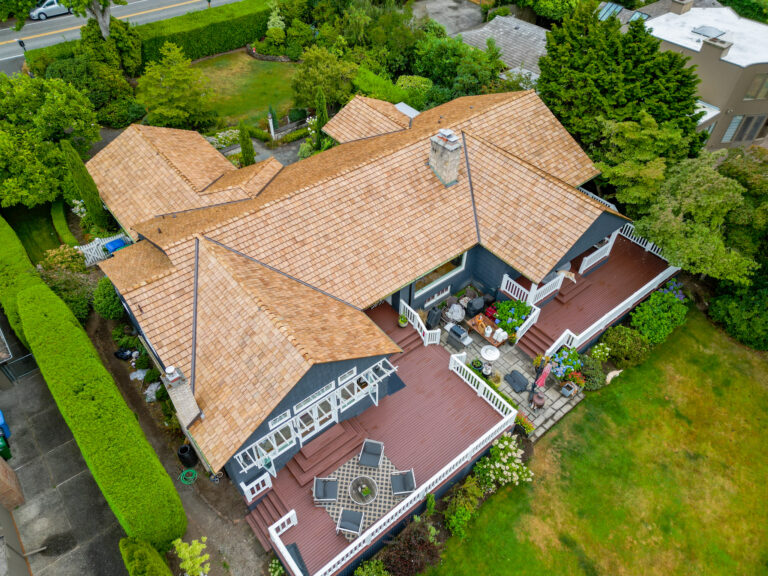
(16, 274)
(124, 465)
(59, 217)
(141, 559)
(201, 33)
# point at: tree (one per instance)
(106, 302)
(193, 561)
(688, 220)
(321, 110)
(551, 9)
(35, 115)
(175, 93)
(634, 157)
(85, 187)
(417, 88)
(246, 145)
(592, 70)
(321, 69)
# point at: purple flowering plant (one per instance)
(511, 314)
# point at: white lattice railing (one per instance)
(278, 528)
(572, 340)
(513, 289)
(628, 231)
(458, 365)
(428, 336)
(530, 321)
(94, 251)
(258, 486)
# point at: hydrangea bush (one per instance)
(511, 314)
(225, 138)
(565, 362)
(503, 466)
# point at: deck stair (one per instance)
(327, 452)
(265, 513)
(570, 290)
(535, 341)
(409, 342)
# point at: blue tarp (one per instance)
(115, 245)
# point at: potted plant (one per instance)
(477, 364)
(365, 491)
(402, 321)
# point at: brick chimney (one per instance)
(680, 6)
(445, 156)
(715, 48)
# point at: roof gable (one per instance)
(364, 117)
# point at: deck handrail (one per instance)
(258, 486)
(568, 338)
(513, 288)
(596, 197)
(628, 231)
(393, 516)
(549, 288)
(427, 336)
(458, 365)
(530, 321)
(517, 292)
(588, 261)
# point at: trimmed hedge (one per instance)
(206, 32)
(59, 217)
(124, 465)
(200, 34)
(16, 274)
(141, 559)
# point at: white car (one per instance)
(47, 8)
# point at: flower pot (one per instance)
(568, 389)
(402, 321)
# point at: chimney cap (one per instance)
(447, 134)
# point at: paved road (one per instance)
(37, 34)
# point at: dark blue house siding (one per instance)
(604, 226)
(318, 376)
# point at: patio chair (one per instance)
(350, 521)
(450, 301)
(325, 490)
(371, 453)
(403, 482)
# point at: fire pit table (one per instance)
(363, 490)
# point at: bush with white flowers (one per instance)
(225, 138)
(503, 466)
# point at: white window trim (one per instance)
(309, 400)
(438, 296)
(442, 279)
(279, 419)
(349, 374)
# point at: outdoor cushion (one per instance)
(350, 521)
(326, 489)
(403, 482)
(518, 382)
(371, 453)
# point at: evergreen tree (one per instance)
(247, 155)
(84, 185)
(322, 117)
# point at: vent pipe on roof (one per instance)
(445, 156)
(680, 6)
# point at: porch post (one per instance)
(532, 293)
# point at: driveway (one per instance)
(455, 15)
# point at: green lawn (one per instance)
(34, 228)
(663, 472)
(243, 87)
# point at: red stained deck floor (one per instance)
(423, 426)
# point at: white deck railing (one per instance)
(548, 288)
(458, 365)
(428, 336)
(628, 231)
(572, 340)
(596, 197)
(588, 261)
(513, 289)
(384, 523)
(94, 251)
(258, 486)
(530, 321)
(517, 292)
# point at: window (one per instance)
(347, 375)
(639, 16)
(277, 420)
(758, 90)
(608, 10)
(743, 128)
(440, 274)
(312, 397)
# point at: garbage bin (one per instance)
(4, 425)
(5, 448)
(187, 456)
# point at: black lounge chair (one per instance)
(350, 521)
(325, 490)
(403, 482)
(371, 453)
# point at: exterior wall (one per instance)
(317, 377)
(604, 226)
(724, 85)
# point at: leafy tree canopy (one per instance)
(35, 115)
(551, 9)
(322, 70)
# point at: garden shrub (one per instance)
(64, 257)
(594, 375)
(462, 506)
(753, 9)
(412, 551)
(152, 375)
(417, 90)
(16, 274)
(141, 558)
(377, 86)
(565, 362)
(374, 567)
(124, 465)
(275, 568)
(503, 466)
(511, 314)
(106, 302)
(59, 217)
(296, 114)
(85, 187)
(63, 270)
(121, 113)
(247, 155)
(38, 59)
(99, 81)
(744, 315)
(628, 347)
(142, 362)
(658, 316)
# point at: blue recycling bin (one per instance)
(4, 425)
(115, 245)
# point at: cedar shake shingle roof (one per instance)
(283, 327)
(148, 171)
(364, 117)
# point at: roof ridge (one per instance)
(545, 174)
(165, 158)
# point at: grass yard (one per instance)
(663, 472)
(34, 228)
(243, 87)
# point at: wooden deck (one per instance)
(578, 306)
(424, 426)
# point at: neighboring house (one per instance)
(273, 310)
(627, 15)
(521, 43)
